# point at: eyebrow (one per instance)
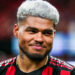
(33, 28)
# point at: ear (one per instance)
(15, 30)
(54, 32)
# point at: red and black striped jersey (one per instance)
(54, 66)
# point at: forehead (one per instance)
(37, 22)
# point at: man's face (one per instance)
(35, 37)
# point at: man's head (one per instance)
(35, 29)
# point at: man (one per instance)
(35, 31)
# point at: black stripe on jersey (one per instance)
(56, 71)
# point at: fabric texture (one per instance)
(54, 66)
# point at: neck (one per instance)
(27, 65)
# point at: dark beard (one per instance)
(34, 57)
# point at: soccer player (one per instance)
(35, 31)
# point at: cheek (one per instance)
(49, 42)
(24, 38)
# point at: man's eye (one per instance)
(48, 33)
(32, 31)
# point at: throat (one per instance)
(26, 65)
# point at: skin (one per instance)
(35, 37)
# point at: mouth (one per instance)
(38, 47)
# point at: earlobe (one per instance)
(15, 30)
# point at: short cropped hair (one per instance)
(38, 8)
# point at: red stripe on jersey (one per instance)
(3, 65)
(63, 72)
(10, 70)
(48, 71)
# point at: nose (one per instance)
(39, 38)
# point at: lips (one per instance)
(38, 47)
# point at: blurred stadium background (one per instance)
(64, 42)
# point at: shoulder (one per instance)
(60, 63)
(7, 62)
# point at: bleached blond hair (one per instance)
(38, 8)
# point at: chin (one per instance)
(34, 56)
